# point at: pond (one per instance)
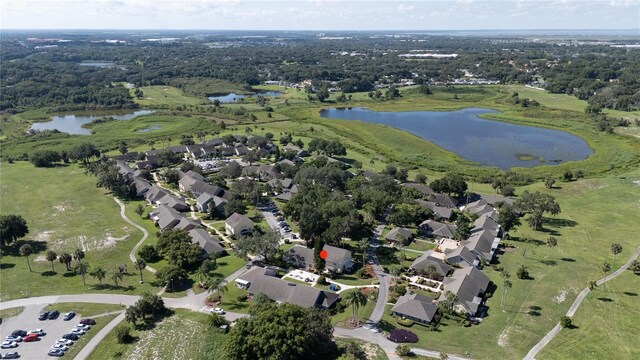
(99, 64)
(488, 142)
(72, 124)
(233, 97)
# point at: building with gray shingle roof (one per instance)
(209, 244)
(437, 229)
(425, 260)
(238, 224)
(482, 243)
(439, 212)
(469, 285)
(461, 256)
(398, 234)
(338, 259)
(418, 308)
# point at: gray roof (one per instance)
(155, 193)
(440, 211)
(302, 257)
(426, 259)
(415, 306)
(235, 219)
(167, 218)
(286, 196)
(141, 185)
(207, 243)
(485, 222)
(439, 229)
(467, 284)
(460, 256)
(443, 200)
(174, 202)
(283, 291)
(493, 199)
(402, 232)
(186, 224)
(481, 243)
(424, 189)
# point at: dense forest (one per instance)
(43, 70)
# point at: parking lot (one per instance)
(271, 213)
(28, 320)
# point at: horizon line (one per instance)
(324, 30)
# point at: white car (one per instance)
(13, 338)
(9, 344)
(83, 327)
(64, 342)
(38, 332)
(218, 311)
(60, 347)
(77, 331)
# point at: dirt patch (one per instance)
(561, 297)
(637, 182)
(40, 258)
(503, 338)
(62, 207)
(43, 236)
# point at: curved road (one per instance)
(145, 234)
(576, 304)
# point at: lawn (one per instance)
(606, 323)
(85, 309)
(162, 96)
(363, 311)
(421, 245)
(373, 351)
(64, 211)
(84, 339)
(11, 312)
(166, 340)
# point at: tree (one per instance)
(235, 205)
(98, 273)
(171, 176)
(176, 245)
(217, 284)
(551, 243)
(537, 204)
(44, 158)
(522, 272)
(463, 228)
(82, 267)
(250, 157)
(566, 322)
(84, 153)
(139, 209)
(451, 300)
(606, 267)
(451, 183)
(170, 276)
(567, 176)
(508, 217)
(635, 266)
(65, 258)
(283, 332)
(506, 284)
(123, 335)
(323, 94)
(116, 277)
(355, 299)
(148, 308)
(140, 265)
(148, 253)
(265, 245)
(51, 257)
(615, 250)
(593, 284)
(12, 228)
(78, 255)
(549, 182)
(215, 321)
(122, 147)
(403, 350)
(421, 179)
(26, 250)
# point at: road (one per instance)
(383, 279)
(145, 234)
(531, 355)
(87, 349)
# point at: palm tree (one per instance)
(606, 267)
(140, 265)
(451, 300)
(78, 255)
(356, 299)
(507, 285)
(467, 195)
(82, 267)
(65, 259)
(364, 245)
(116, 277)
(615, 250)
(51, 256)
(214, 257)
(551, 243)
(218, 285)
(99, 273)
(26, 250)
(202, 275)
(395, 273)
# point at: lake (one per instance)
(233, 97)
(72, 124)
(487, 142)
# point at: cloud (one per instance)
(402, 8)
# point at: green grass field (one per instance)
(85, 309)
(162, 96)
(605, 324)
(64, 211)
(78, 345)
(11, 312)
(363, 312)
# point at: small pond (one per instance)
(233, 97)
(149, 128)
(72, 124)
(100, 64)
(488, 142)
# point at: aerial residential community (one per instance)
(234, 181)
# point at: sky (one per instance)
(320, 14)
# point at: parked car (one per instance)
(9, 344)
(218, 311)
(30, 338)
(43, 315)
(38, 332)
(68, 316)
(54, 314)
(11, 355)
(55, 352)
(87, 322)
(19, 333)
(77, 331)
(64, 342)
(13, 338)
(60, 347)
(73, 337)
(83, 327)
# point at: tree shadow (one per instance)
(534, 310)
(549, 262)
(14, 249)
(48, 273)
(605, 299)
(568, 259)
(7, 266)
(628, 293)
(560, 223)
(572, 327)
(69, 274)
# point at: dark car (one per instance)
(73, 337)
(68, 316)
(54, 314)
(43, 315)
(87, 322)
(55, 352)
(20, 333)
(11, 355)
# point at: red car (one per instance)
(30, 337)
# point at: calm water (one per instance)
(484, 141)
(72, 124)
(150, 128)
(96, 64)
(233, 97)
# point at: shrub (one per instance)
(322, 280)
(403, 350)
(566, 322)
(404, 322)
(148, 253)
(242, 298)
(362, 273)
(522, 273)
(403, 336)
(123, 335)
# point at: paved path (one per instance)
(576, 304)
(145, 234)
(97, 338)
(383, 279)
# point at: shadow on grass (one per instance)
(113, 287)
(7, 266)
(628, 293)
(69, 274)
(568, 259)
(236, 305)
(605, 299)
(549, 262)
(14, 249)
(534, 310)
(555, 222)
(48, 273)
